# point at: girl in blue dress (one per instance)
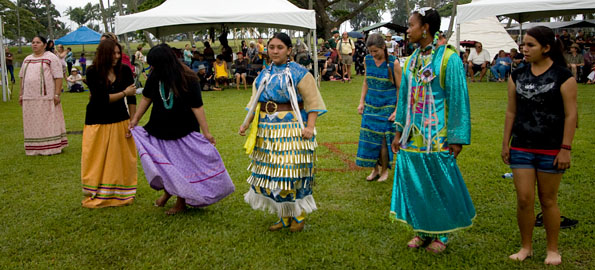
(281, 144)
(433, 123)
(377, 106)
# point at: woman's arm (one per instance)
(58, 90)
(145, 102)
(397, 75)
(509, 120)
(308, 132)
(568, 91)
(199, 113)
(129, 91)
(362, 99)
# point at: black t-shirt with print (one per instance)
(539, 121)
(177, 122)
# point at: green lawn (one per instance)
(44, 226)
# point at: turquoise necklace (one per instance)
(168, 102)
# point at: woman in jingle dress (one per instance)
(175, 156)
(433, 123)
(108, 162)
(377, 106)
(282, 142)
(40, 97)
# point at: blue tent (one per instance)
(83, 35)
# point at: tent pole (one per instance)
(3, 63)
(458, 38)
(520, 37)
(315, 55)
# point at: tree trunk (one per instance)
(134, 8)
(48, 4)
(452, 18)
(190, 38)
(125, 35)
(19, 27)
(103, 16)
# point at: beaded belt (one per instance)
(271, 107)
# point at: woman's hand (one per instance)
(308, 132)
(21, 101)
(209, 137)
(392, 116)
(395, 145)
(56, 99)
(563, 159)
(455, 149)
(243, 129)
(506, 154)
(133, 123)
(130, 90)
(360, 108)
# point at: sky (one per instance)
(62, 5)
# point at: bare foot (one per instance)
(553, 258)
(383, 176)
(373, 174)
(521, 255)
(179, 207)
(162, 200)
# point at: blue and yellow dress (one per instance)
(282, 167)
(380, 103)
(429, 192)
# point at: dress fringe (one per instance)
(283, 209)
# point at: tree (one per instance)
(78, 15)
(42, 9)
(29, 27)
(330, 15)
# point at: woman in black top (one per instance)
(108, 168)
(540, 123)
(174, 155)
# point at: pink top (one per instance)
(36, 86)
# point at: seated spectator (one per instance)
(501, 66)
(591, 76)
(206, 81)
(589, 60)
(266, 61)
(329, 71)
(75, 81)
(478, 61)
(465, 58)
(241, 68)
(575, 60)
(518, 59)
(221, 74)
(252, 53)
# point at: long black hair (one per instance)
(169, 70)
(545, 36)
(284, 38)
(431, 17)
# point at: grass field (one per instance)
(44, 226)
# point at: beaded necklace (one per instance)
(168, 102)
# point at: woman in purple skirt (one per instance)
(174, 155)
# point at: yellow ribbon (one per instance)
(251, 139)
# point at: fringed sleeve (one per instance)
(457, 99)
(401, 115)
(312, 99)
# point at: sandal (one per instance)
(416, 242)
(567, 223)
(436, 246)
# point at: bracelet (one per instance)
(565, 146)
(57, 96)
(123, 92)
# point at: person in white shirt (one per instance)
(391, 45)
(75, 81)
(478, 61)
(346, 48)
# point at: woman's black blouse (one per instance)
(177, 122)
(99, 109)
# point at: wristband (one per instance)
(565, 146)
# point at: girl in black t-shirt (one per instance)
(540, 122)
(174, 155)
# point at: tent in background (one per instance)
(83, 35)
(489, 31)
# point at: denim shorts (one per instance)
(539, 162)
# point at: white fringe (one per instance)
(283, 209)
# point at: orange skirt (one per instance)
(108, 165)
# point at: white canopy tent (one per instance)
(521, 10)
(177, 16)
(489, 32)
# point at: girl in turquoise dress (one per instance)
(377, 106)
(282, 141)
(433, 124)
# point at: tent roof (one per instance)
(176, 16)
(83, 35)
(556, 25)
(489, 32)
(389, 25)
(522, 10)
